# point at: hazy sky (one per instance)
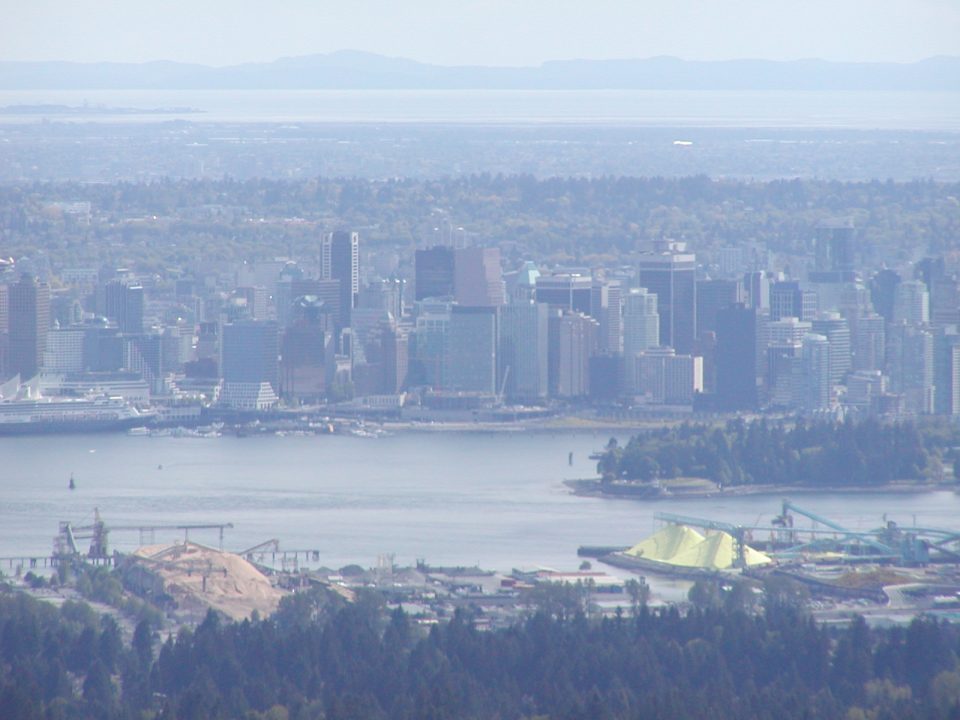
(487, 32)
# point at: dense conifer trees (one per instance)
(354, 662)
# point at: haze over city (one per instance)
(468, 32)
(457, 359)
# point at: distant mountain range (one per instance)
(365, 71)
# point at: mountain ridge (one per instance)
(353, 69)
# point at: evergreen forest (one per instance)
(803, 453)
(330, 660)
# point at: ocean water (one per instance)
(496, 499)
(939, 111)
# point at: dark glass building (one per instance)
(340, 260)
(434, 272)
(712, 297)
(29, 321)
(672, 277)
(736, 358)
(124, 305)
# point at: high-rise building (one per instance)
(143, 354)
(306, 350)
(29, 321)
(731, 261)
(664, 377)
(289, 290)
(249, 352)
(470, 362)
(712, 297)
(812, 380)
(177, 347)
(576, 343)
(340, 260)
(124, 305)
(835, 254)
(395, 352)
(521, 284)
(427, 365)
(4, 308)
(787, 299)
(869, 343)
(4, 329)
(477, 277)
(606, 378)
(781, 359)
(671, 275)
(523, 351)
(103, 347)
(385, 295)
(834, 327)
(945, 302)
(256, 299)
(883, 290)
(911, 303)
(606, 306)
(946, 371)
(865, 390)
(641, 321)
(736, 358)
(929, 270)
(434, 273)
(756, 288)
(569, 292)
(64, 350)
(910, 363)
(787, 330)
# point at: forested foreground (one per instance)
(818, 453)
(353, 662)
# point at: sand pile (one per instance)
(199, 577)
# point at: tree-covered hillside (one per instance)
(352, 662)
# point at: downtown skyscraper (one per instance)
(340, 260)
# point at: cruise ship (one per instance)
(38, 415)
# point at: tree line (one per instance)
(817, 453)
(338, 661)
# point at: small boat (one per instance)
(73, 484)
(570, 459)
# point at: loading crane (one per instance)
(909, 546)
(69, 539)
(738, 532)
(785, 520)
(148, 532)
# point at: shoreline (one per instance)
(592, 488)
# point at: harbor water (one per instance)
(450, 498)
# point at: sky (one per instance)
(478, 32)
